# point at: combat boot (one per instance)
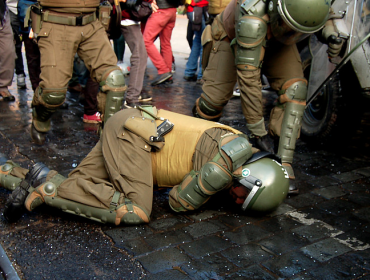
(263, 143)
(14, 206)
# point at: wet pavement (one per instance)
(322, 233)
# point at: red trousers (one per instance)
(160, 23)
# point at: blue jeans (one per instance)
(195, 62)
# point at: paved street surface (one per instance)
(322, 233)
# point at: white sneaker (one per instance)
(21, 81)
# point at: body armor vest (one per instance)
(174, 161)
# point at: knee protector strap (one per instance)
(197, 187)
(113, 84)
(205, 109)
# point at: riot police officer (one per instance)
(143, 147)
(61, 29)
(251, 36)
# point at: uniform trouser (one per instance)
(120, 161)
(58, 45)
(19, 67)
(138, 61)
(7, 54)
(281, 63)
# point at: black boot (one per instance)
(14, 206)
(264, 143)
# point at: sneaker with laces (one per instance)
(161, 78)
(21, 81)
(92, 118)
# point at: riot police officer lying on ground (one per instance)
(142, 147)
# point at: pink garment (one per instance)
(160, 23)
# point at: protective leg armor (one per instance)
(197, 187)
(214, 176)
(205, 109)
(250, 40)
(114, 87)
(45, 102)
(8, 181)
(128, 212)
(295, 97)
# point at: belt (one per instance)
(67, 19)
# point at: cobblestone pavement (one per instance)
(322, 233)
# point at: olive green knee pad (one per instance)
(250, 38)
(45, 102)
(204, 108)
(197, 187)
(8, 181)
(113, 85)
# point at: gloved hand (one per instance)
(335, 45)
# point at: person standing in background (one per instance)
(7, 53)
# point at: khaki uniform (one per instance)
(122, 161)
(68, 27)
(280, 64)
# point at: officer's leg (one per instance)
(219, 75)
(283, 68)
(214, 176)
(56, 71)
(288, 113)
(249, 53)
(100, 59)
(107, 185)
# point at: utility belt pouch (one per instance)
(34, 14)
(145, 128)
(105, 9)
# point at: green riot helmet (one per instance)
(265, 183)
(293, 20)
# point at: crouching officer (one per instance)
(62, 28)
(142, 147)
(254, 35)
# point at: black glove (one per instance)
(335, 45)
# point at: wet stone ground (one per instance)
(322, 233)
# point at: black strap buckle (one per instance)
(79, 20)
